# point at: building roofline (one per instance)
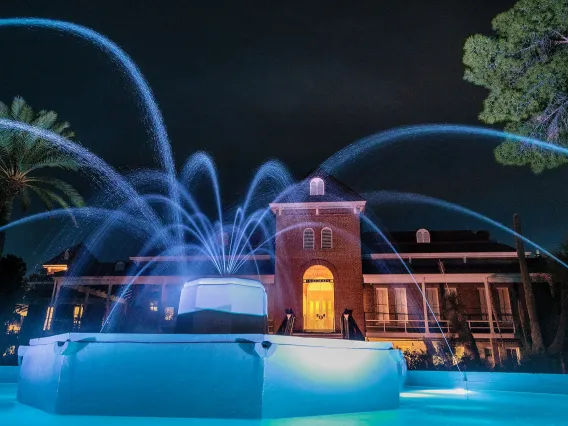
(447, 255)
(323, 205)
(196, 257)
(471, 278)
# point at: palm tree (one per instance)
(22, 155)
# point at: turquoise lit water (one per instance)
(418, 406)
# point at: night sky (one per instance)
(252, 81)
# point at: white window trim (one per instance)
(385, 315)
(434, 306)
(401, 292)
(317, 186)
(423, 236)
(330, 238)
(313, 239)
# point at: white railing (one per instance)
(407, 326)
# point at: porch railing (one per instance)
(408, 324)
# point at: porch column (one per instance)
(53, 292)
(489, 302)
(107, 303)
(163, 301)
(85, 304)
(425, 306)
(490, 313)
(54, 303)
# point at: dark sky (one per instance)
(296, 81)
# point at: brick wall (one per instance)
(343, 260)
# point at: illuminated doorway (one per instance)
(318, 299)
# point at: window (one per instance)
(119, 266)
(487, 353)
(22, 311)
(483, 303)
(382, 303)
(154, 306)
(10, 351)
(48, 319)
(317, 187)
(309, 238)
(169, 313)
(326, 238)
(504, 303)
(422, 236)
(77, 316)
(433, 301)
(513, 355)
(400, 306)
(14, 327)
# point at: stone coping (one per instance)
(210, 338)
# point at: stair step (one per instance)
(320, 335)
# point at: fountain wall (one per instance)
(223, 376)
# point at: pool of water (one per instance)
(418, 406)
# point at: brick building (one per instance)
(323, 265)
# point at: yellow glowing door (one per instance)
(318, 299)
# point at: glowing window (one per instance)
(13, 328)
(326, 238)
(48, 318)
(400, 304)
(169, 313)
(422, 236)
(382, 303)
(433, 301)
(317, 187)
(10, 351)
(22, 310)
(309, 242)
(77, 316)
(154, 306)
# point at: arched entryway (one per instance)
(318, 299)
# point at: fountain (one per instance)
(220, 362)
(224, 367)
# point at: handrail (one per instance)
(287, 326)
(349, 328)
(408, 325)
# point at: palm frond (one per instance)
(25, 200)
(52, 159)
(60, 127)
(4, 111)
(45, 120)
(43, 195)
(53, 198)
(17, 105)
(66, 189)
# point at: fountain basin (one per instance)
(207, 376)
(222, 305)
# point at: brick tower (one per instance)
(318, 270)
